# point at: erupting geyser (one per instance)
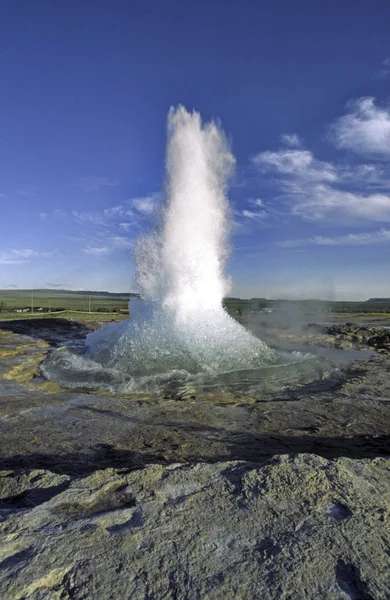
(181, 324)
(180, 327)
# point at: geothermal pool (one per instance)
(179, 337)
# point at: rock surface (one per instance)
(106, 497)
(297, 528)
(69, 432)
(373, 337)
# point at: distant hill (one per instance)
(378, 300)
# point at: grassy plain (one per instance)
(71, 315)
(77, 306)
(11, 300)
(104, 307)
(309, 306)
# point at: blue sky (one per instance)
(302, 92)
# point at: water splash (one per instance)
(191, 246)
(180, 327)
(181, 323)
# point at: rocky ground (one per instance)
(219, 495)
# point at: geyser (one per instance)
(180, 322)
(179, 331)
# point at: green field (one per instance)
(238, 305)
(57, 300)
(78, 306)
(105, 306)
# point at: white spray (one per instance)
(191, 247)
(180, 324)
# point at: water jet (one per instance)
(179, 332)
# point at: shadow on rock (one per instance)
(103, 456)
(241, 446)
(52, 330)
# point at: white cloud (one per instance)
(89, 218)
(18, 257)
(385, 71)
(97, 251)
(146, 204)
(119, 241)
(254, 215)
(353, 239)
(27, 253)
(126, 215)
(297, 163)
(291, 139)
(256, 202)
(125, 226)
(105, 218)
(322, 202)
(43, 215)
(7, 260)
(317, 190)
(364, 130)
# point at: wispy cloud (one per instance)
(385, 70)
(365, 129)
(28, 191)
(146, 204)
(353, 239)
(125, 226)
(253, 213)
(94, 183)
(121, 242)
(297, 163)
(26, 253)
(326, 203)
(291, 139)
(97, 251)
(126, 216)
(256, 202)
(29, 253)
(9, 260)
(318, 190)
(17, 257)
(106, 218)
(90, 218)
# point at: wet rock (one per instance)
(380, 341)
(372, 337)
(52, 330)
(291, 527)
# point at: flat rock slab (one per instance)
(294, 528)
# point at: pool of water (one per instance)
(295, 368)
